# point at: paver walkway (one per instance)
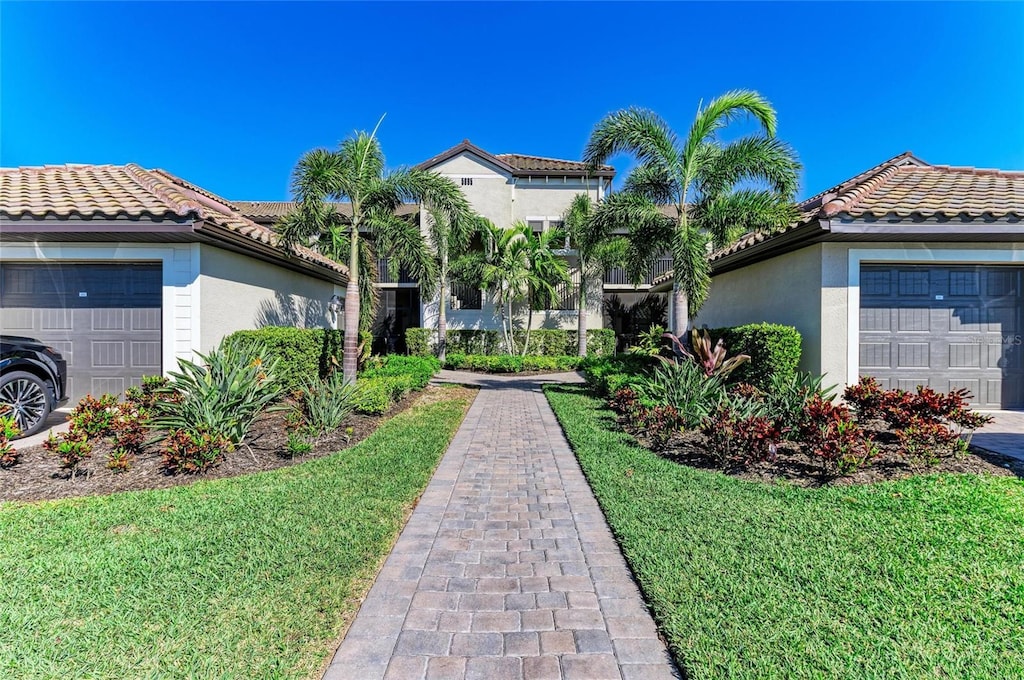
(507, 568)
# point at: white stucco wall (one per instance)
(784, 289)
(239, 292)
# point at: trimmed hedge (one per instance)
(419, 341)
(774, 349)
(608, 374)
(507, 363)
(543, 342)
(419, 369)
(376, 395)
(302, 351)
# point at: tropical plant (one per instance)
(788, 395)
(717, 191)
(684, 386)
(596, 249)
(356, 174)
(192, 451)
(325, 404)
(547, 270)
(220, 397)
(649, 342)
(712, 361)
(72, 447)
(8, 431)
(450, 233)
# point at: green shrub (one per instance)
(324, 404)
(303, 352)
(418, 342)
(420, 369)
(599, 369)
(507, 363)
(222, 396)
(543, 342)
(376, 395)
(774, 352)
(685, 387)
(8, 431)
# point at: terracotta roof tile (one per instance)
(539, 163)
(113, 191)
(271, 211)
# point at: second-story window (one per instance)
(536, 226)
(467, 181)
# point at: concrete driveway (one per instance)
(57, 422)
(1004, 436)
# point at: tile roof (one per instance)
(112, 191)
(271, 211)
(539, 163)
(903, 187)
(521, 165)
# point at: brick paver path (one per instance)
(507, 568)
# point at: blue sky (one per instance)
(229, 95)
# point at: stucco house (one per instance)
(123, 270)
(505, 188)
(909, 272)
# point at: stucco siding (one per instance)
(239, 292)
(537, 198)
(785, 289)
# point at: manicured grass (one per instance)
(248, 577)
(921, 578)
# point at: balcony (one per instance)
(617, 276)
(384, 276)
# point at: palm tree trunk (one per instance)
(442, 317)
(581, 315)
(511, 339)
(350, 359)
(529, 325)
(680, 311)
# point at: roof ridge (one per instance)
(859, 192)
(546, 158)
(968, 170)
(857, 179)
(179, 203)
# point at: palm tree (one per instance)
(356, 173)
(596, 250)
(546, 270)
(450, 235)
(717, 191)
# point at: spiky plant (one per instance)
(717, 190)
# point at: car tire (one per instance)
(28, 397)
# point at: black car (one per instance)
(33, 381)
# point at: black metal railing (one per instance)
(384, 275)
(465, 296)
(618, 275)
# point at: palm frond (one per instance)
(729, 216)
(635, 131)
(720, 112)
(653, 182)
(756, 158)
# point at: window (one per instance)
(464, 296)
(467, 181)
(536, 226)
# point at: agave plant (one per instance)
(712, 361)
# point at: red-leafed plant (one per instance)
(8, 431)
(93, 417)
(866, 398)
(72, 447)
(831, 433)
(659, 424)
(192, 452)
(736, 438)
(711, 360)
(626, 402)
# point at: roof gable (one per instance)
(520, 165)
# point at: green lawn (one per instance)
(249, 577)
(922, 578)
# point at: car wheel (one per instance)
(28, 399)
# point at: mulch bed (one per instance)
(793, 466)
(38, 476)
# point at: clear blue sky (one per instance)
(229, 95)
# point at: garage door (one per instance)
(103, 318)
(945, 327)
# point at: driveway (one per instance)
(1004, 436)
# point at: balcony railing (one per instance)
(384, 276)
(617, 276)
(464, 296)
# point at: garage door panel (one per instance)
(955, 326)
(105, 319)
(964, 355)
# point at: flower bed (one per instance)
(689, 409)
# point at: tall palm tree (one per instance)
(596, 250)
(450, 235)
(546, 271)
(717, 190)
(355, 173)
